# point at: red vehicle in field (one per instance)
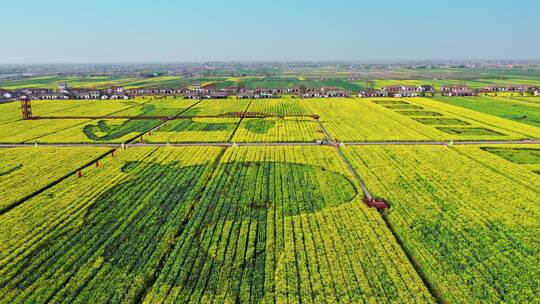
(377, 203)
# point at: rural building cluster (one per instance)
(198, 91)
(447, 90)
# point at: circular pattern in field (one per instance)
(286, 188)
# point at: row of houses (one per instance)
(519, 88)
(398, 91)
(457, 90)
(446, 90)
(196, 91)
(243, 93)
(327, 92)
(462, 90)
(63, 93)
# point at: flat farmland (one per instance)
(88, 130)
(217, 130)
(73, 220)
(219, 107)
(278, 130)
(284, 235)
(347, 120)
(26, 170)
(210, 207)
(468, 215)
(521, 109)
(419, 119)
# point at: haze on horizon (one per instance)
(99, 31)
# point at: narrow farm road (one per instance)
(277, 144)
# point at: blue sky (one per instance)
(187, 30)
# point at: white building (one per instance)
(400, 94)
(197, 88)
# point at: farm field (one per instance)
(25, 170)
(284, 235)
(469, 217)
(223, 209)
(217, 130)
(498, 124)
(348, 120)
(252, 237)
(87, 130)
(16, 130)
(76, 237)
(51, 82)
(219, 107)
(278, 130)
(293, 79)
(269, 152)
(417, 119)
(525, 110)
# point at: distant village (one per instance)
(447, 90)
(198, 91)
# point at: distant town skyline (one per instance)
(136, 31)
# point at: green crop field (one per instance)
(525, 111)
(200, 205)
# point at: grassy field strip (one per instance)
(407, 123)
(529, 100)
(84, 107)
(532, 102)
(282, 106)
(516, 162)
(218, 107)
(156, 127)
(470, 228)
(203, 130)
(11, 112)
(29, 130)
